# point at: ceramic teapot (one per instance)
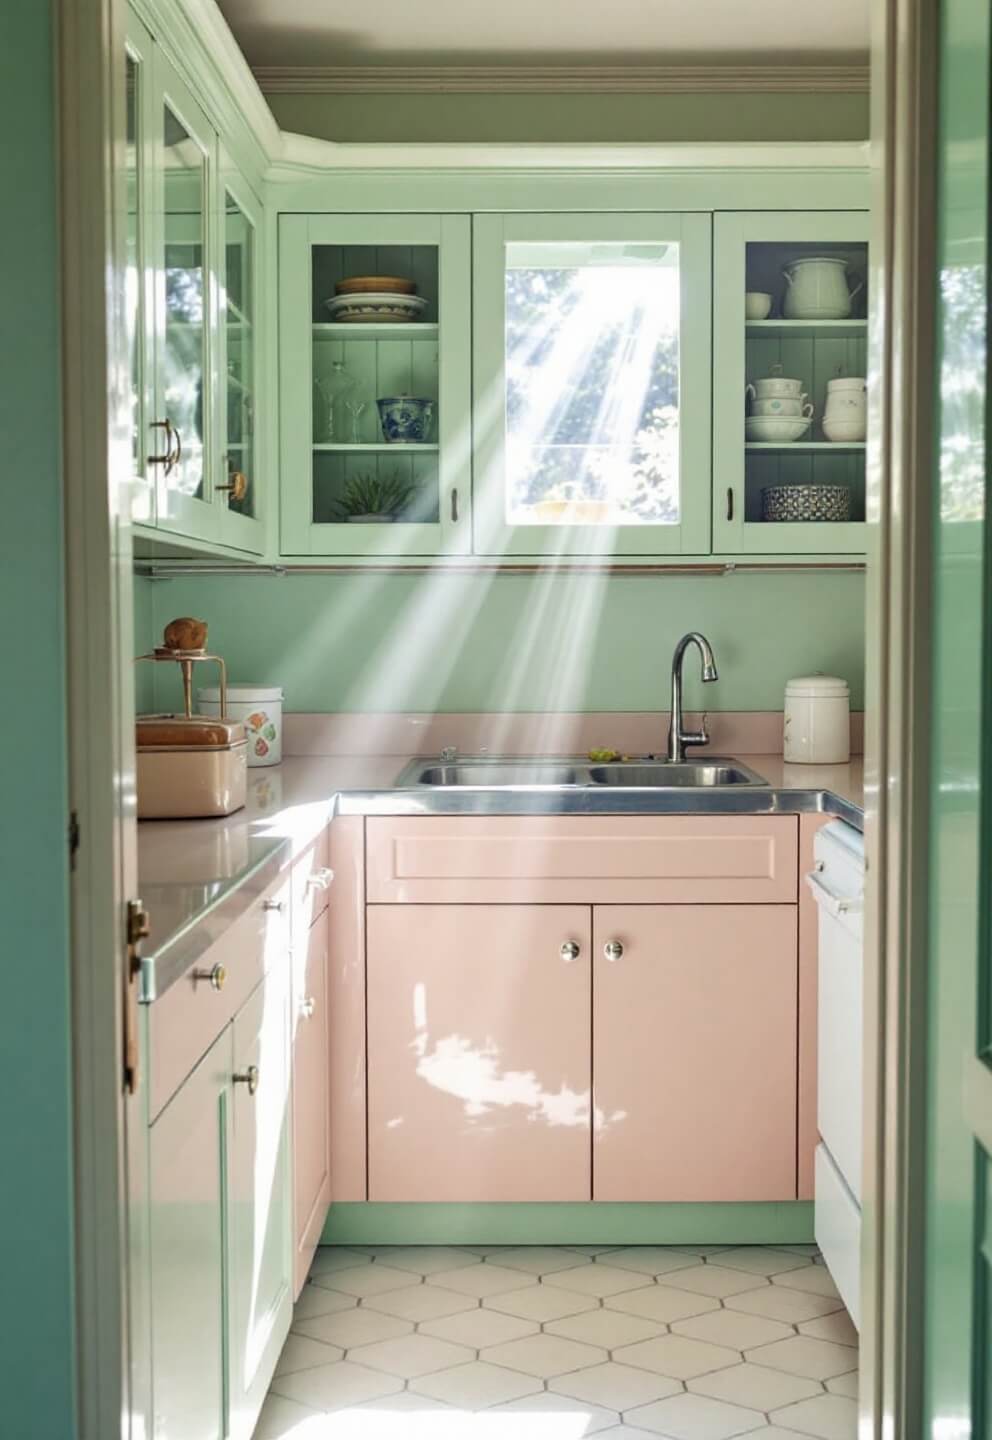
(816, 288)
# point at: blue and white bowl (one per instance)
(406, 419)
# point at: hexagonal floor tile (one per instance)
(420, 1302)
(481, 1280)
(829, 1417)
(544, 1355)
(606, 1328)
(789, 1306)
(759, 1260)
(411, 1355)
(728, 1327)
(475, 1386)
(302, 1353)
(428, 1259)
(479, 1328)
(542, 1259)
(804, 1355)
(315, 1300)
(280, 1418)
(616, 1387)
(330, 1387)
(813, 1279)
(848, 1384)
(559, 1415)
(601, 1279)
(365, 1280)
(838, 1327)
(711, 1280)
(651, 1259)
(540, 1302)
(755, 1386)
(677, 1356)
(337, 1257)
(695, 1417)
(660, 1302)
(348, 1328)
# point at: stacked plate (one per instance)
(375, 300)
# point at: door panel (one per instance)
(479, 1075)
(311, 1095)
(694, 1052)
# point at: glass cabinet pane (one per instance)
(134, 281)
(375, 366)
(186, 302)
(238, 324)
(592, 384)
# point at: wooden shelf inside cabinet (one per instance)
(391, 449)
(820, 446)
(330, 331)
(808, 329)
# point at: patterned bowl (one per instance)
(406, 419)
(375, 285)
(373, 309)
(805, 502)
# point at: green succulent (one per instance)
(371, 494)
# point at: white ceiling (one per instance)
(548, 32)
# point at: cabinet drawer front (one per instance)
(183, 1023)
(672, 859)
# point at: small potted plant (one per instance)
(373, 500)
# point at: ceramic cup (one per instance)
(406, 419)
(776, 387)
(757, 305)
(785, 406)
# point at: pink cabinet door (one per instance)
(694, 1052)
(479, 1056)
(311, 1096)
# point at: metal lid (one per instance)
(176, 732)
(827, 685)
(246, 693)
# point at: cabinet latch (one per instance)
(138, 928)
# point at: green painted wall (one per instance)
(529, 118)
(37, 1397)
(145, 639)
(520, 643)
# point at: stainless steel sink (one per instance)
(667, 774)
(480, 774)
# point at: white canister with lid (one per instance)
(259, 708)
(817, 720)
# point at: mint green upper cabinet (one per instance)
(769, 490)
(591, 380)
(357, 479)
(139, 292)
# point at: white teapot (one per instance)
(817, 289)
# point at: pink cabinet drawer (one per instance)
(311, 883)
(183, 1023)
(590, 859)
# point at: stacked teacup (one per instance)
(780, 409)
(845, 416)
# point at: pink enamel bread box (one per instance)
(190, 768)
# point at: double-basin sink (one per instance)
(643, 774)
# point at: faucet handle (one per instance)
(448, 754)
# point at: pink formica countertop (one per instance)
(189, 869)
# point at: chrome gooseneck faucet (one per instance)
(678, 738)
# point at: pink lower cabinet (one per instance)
(478, 1052)
(694, 1052)
(311, 1095)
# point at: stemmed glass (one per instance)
(334, 387)
(354, 409)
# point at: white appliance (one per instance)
(837, 882)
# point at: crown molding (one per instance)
(562, 80)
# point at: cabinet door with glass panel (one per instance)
(592, 384)
(237, 488)
(139, 290)
(374, 314)
(789, 398)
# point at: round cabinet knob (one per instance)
(277, 905)
(569, 951)
(217, 976)
(613, 949)
(320, 879)
(249, 1078)
(308, 1007)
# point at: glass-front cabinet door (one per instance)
(789, 389)
(374, 314)
(237, 483)
(592, 384)
(139, 290)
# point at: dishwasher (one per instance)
(837, 882)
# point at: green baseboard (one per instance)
(786, 1222)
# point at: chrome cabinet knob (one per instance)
(249, 1078)
(217, 976)
(277, 905)
(320, 879)
(308, 1007)
(613, 949)
(569, 951)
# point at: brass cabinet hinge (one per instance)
(73, 839)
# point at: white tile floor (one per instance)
(435, 1342)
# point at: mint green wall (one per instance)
(36, 1203)
(582, 642)
(576, 117)
(145, 639)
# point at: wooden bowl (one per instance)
(375, 284)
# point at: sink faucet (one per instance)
(678, 738)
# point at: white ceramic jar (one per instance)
(817, 720)
(259, 708)
(817, 289)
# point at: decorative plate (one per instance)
(373, 309)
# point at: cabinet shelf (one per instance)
(807, 329)
(378, 449)
(401, 331)
(805, 445)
